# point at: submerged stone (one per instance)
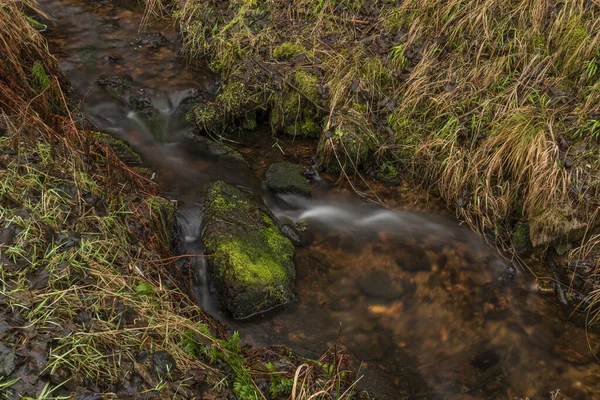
(285, 177)
(151, 40)
(380, 284)
(116, 85)
(216, 149)
(251, 262)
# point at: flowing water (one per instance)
(429, 309)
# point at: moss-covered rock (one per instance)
(117, 85)
(557, 228)
(232, 104)
(285, 177)
(141, 102)
(121, 148)
(163, 214)
(251, 262)
(216, 149)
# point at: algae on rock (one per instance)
(285, 177)
(251, 262)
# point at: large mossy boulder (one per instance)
(285, 177)
(251, 262)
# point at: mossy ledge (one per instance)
(251, 262)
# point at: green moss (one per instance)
(231, 103)
(286, 177)
(387, 172)
(121, 148)
(250, 122)
(251, 261)
(39, 74)
(287, 50)
(307, 83)
(294, 112)
(310, 127)
(520, 239)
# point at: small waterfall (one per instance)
(190, 220)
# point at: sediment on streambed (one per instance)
(492, 106)
(90, 297)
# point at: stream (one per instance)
(428, 308)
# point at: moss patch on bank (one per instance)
(251, 262)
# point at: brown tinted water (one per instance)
(424, 303)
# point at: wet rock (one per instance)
(380, 284)
(164, 364)
(251, 262)
(121, 148)
(290, 233)
(151, 40)
(192, 97)
(117, 85)
(373, 349)
(556, 228)
(577, 347)
(141, 102)
(285, 177)
(413, 259)
(216, 149)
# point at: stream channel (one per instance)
(428, 308)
